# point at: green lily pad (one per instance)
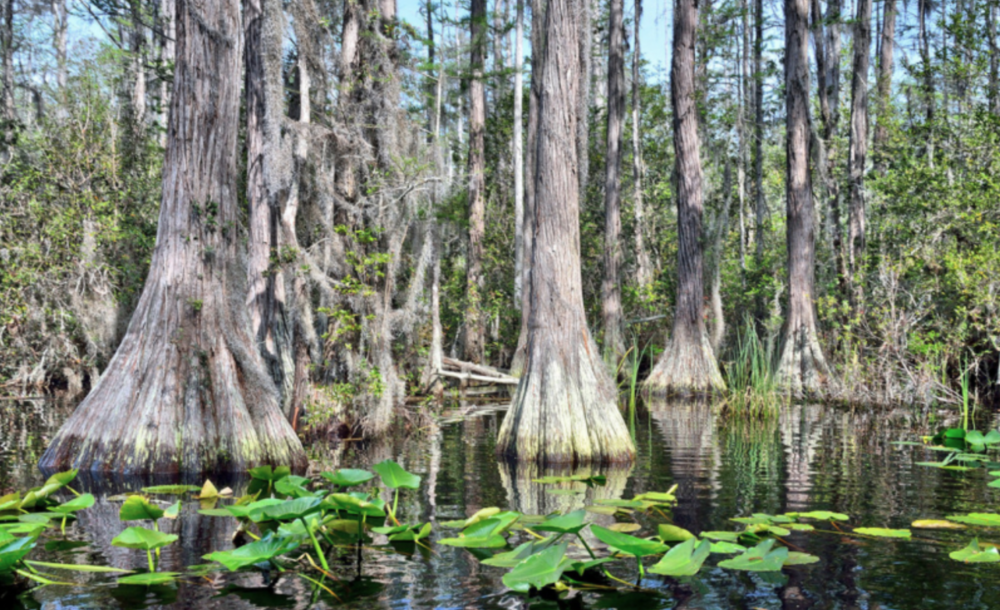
(538, 570)
(14, 551)
(672, 533)
(973, 553)
(412, 534)
(992, 437)
(582, 566)
(262, 550)
(395, 477)
(149, 578)
(656, 497)
(286, 510)
(629, 545)
(75, 567)
(142, 538)
(170, 490)
(77, 503)
(354, 504)
(758, 559)
(570, 523)
(882, 532)
(138, 508)
(10, 501)
(796, 558)
(509, 559)
(820, 515)
(348, 477)
(727, 548)
(172, 511)
(483, 535)
(936, 524)
(267, 473)
(979, 519)
(684, 559)
(726, 536)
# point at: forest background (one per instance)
(386, 130)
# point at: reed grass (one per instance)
(750, 377)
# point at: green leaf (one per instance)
(13, 551)
(979, 519)
(936, 524)
(348, 477)
(538, 570)
(726, 536)
(173, 510)
(799, 527)
(149, 578)
(170, 490)
(286, 510)
(262, 550)
(293, 486)
(138, 508)
(570, 523)
(882, 532)
(62, 479)
(395, 477)
(480, 515)
(509, 559)
(484, 535)
(819, 515)
(13, 500)
(727, 548)
(588, 480)
(992, 437)
(142, 538)
(266, 473)
(954, 433)
(973, 553)
(353, 504)
(656, 497)
(796, 558)
(758, 559)
(630, 545)
(684, 559)
(77, 503)
(75, 567)
(582, 566)
(975, 437)
(208, 491)
(411, 534)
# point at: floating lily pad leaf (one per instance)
(13, 551)
(5, 537)
(412, 534)
(954, 433)
(353, 504)
(799, 527)
(483, 535)
(994, 483)
(77, 503)
(685, 559)
(882, 532)
(601, 510)
(395, 477)
(216, 512)
(758, 559)
(936, 524)
(75, 567)
(656, 497)
(622, 503)
(31, 529)
(673, 533)
(348, 477)
(971, 457)
(565, 492)
(539, 570)
(286, 510)
(62, 479)
(509, 559)
(149, 578)
(10, 501)
(820, 515)
(208, 491)
(629, 545)
(570, 523)
(138, 508)
(170, 490)
(266, 473)
(625, 527)
(262, 550)
(980, 519)
(582, 566)
(975, 437)
(480, 515)
(796, 558)
(992, 437)
(943, 466)
(588, 480)
(726, 536)
(763, 528)
(907, 443)
(242, 511)
(727, 548)
(976, 554)
(142, 538)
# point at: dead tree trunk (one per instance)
(644, 274)
(474, 324)
(858, 146)
(884, 87)
(186, 390)
(802, 366)
(688, 363)
(564, 410)
(611, 297)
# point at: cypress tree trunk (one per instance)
(831, 125)
(583, 8)
(688, 364)
(8, 116)
(187, 391)
(644, 273)
(993, 92)
(802, 366)
(477, 186)
(858, 145)
(611, 297)
(564, 410)
(884, 85)
(518, 152)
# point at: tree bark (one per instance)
(611, 298)
(760, 205)
(518, 152)
(474, 323)
(564, 410)
(884, 86)
(858, 145)
(802, 367)
(993, 93)
(8, 116)
(688, 363)
(583, 9)
(187, 391)
(644, 274)
(60, 24)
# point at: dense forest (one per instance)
(295, 213)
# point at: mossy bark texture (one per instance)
(187, 390)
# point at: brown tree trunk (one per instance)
(688, 363)
(884, 85)
(858, 146)
(8, 116)
(993, 93)
(564, 410)
(644, 274)
(187, 391)
(830, 86)
(167, 51)
(583, 9)
(60, 24)
(474, 324)
(518, 152)
(611, 297)
(802, 366)
(760, 205)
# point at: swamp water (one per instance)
(811, 458)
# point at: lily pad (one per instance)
(685, 559)
(936, 524)
(629, 545)
(138, 508)
(142, 538)
(395, 477)
(482, 535)
(973, 553)
(348, 477)
(796, 558)
(673, 533)
(75, 567)
(727, 548)
(820, 515)
(77, 503)
(758, 559)
(509, 559)
(882, 532)
(286, 510)
(538, 570)
(170, 490)
(979, 519)
(570, 523)
(588, 480)
(267, 473)
(262, 550)
(13, 551)
(149, 578)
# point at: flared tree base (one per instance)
(686, 368)
(802, 368)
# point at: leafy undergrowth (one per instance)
(294, 524)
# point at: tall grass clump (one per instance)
(750, 377)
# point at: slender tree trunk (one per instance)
(884, 86)
(717, 319)
(760, 205)
(644, 274)
(518, 152)
(688, 363)
(564, 410)
(474, 323)
(8, 116)
(611, 298)
(60, 25)
(923, 10)
(187, 390)
(138, 65)
(858, 145)
(745, 111)
(583, 15)
(802, 366)
(993, 92)
(167, 52)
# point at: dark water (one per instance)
(811, 458)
